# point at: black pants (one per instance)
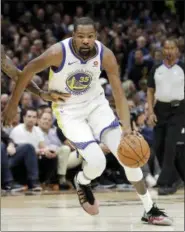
(167, 133)
(48, 170)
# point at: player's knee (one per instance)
(95, 161)
(133, 174)
(95, 166)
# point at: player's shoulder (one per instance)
(107, 52)
(58, 47)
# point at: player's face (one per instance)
(84, 39)
(170, 50)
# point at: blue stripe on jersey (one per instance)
(101, 56)
(63, 59)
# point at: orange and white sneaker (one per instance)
(157, 216)
(86, 198)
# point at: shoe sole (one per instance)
(161, 222)
(88, 208)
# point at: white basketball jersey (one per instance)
(75, 76)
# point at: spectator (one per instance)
(28, 133)
(141, 45)
(26, 100)
(140, 68)
(158, 57)
(54, 145)
(4, 100)
(12, 156)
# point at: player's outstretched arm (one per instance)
(14, 73)
(111, 67)
(51, 57)
(8, 67)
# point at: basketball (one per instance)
(133, 151)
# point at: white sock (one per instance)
(146, 200)
(82, 179)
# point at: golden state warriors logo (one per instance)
(78, 82)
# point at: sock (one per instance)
(147, 201)
(82, 179)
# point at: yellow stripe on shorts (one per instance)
(56, 110)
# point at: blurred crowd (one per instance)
(34, 151)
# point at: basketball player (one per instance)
(75, 66)
(11, 71)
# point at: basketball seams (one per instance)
(137, 161)
(132, 149)
(140, 145)
(141, 160)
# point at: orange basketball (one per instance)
(133, 151)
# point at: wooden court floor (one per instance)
(119, 211)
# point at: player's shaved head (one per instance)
(84, 21)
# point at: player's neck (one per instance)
(92, 53)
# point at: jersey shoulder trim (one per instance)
(101, 55)
(63, 59)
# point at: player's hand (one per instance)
(9, 113)
(152, 119)
(54, 96)
(129, 131)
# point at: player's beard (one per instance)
(84, 52)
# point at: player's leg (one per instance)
(93, 167)
(103, 122)
(111, 138)
(79, 133)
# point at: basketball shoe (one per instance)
(86, 198)
(157, 216)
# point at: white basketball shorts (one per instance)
(85, 123)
